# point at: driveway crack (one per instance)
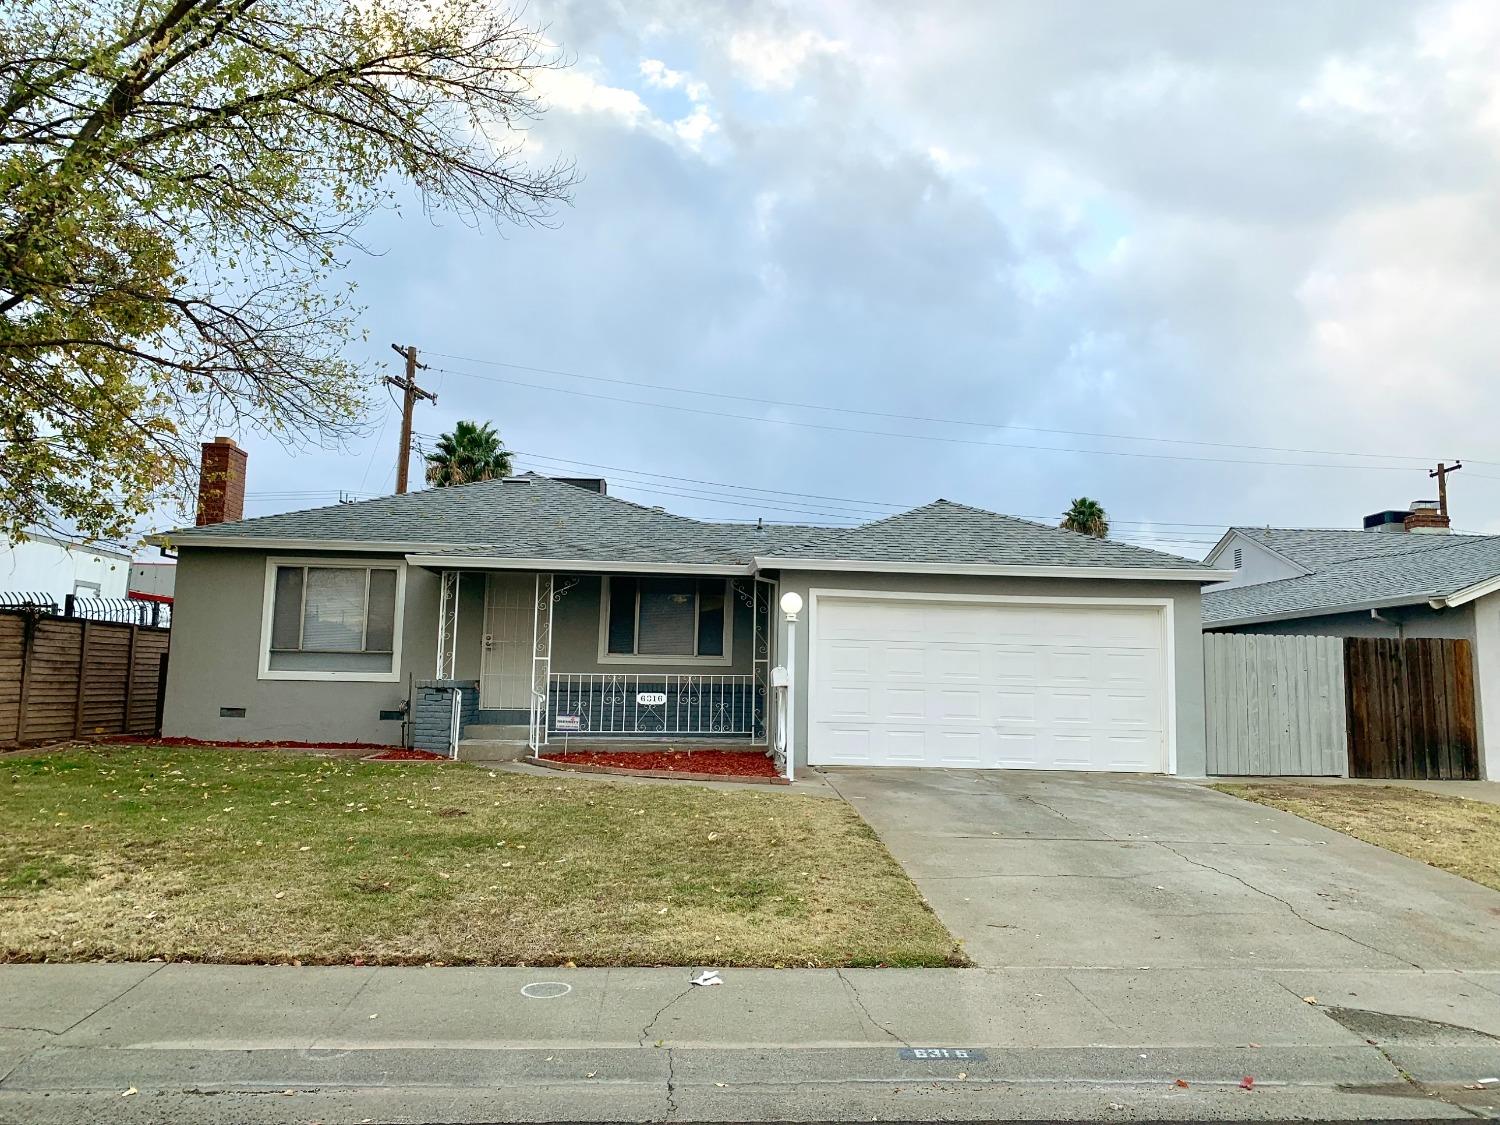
(859, 1002)
(1290, 908)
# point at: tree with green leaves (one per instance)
(180, 183)
(1086, 517)
(470, 452)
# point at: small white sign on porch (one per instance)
(567, 723)
(651, 698)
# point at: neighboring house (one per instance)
(1384, 581)
(944, 636)
(51, 568)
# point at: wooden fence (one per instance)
(63, 677)
(1411, 709)
(1275, 705)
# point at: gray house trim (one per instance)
(486, 562)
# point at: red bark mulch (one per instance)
(406, 756)
(727, 763)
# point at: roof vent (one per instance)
(515, 480)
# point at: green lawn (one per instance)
(252, 856)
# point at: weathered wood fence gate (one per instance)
(1275, 705)
(1310, 706)
(66, 677)
(1411, 709)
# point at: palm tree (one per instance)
(1086, 517)
(472, 452)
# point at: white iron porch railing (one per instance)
(654, 703)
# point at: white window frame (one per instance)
(607, 657)
(268, 611)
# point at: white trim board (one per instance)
(1166, 606)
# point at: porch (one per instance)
(538, 657)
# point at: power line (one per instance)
(780, 492)
(756, 399)
(927, 437)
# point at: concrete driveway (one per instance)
(1122, 871)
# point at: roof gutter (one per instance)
(586, 566)
(1466, 595)
(1316, 611)
(995, 570)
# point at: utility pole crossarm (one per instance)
(410, 393)
(1441, 472)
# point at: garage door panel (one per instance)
(988, 685)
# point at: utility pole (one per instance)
(410, 392)
(1441, 472)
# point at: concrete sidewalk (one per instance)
(280, 1044)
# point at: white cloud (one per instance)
(768, 60)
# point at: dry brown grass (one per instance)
(1452, 833)
(238, 856)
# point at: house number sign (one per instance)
(651, 698)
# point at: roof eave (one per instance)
(587, 566)
(1318, 611)
(1139, 573)
(1467, 594)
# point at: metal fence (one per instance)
(123, 611)
(654, 704)
(1275, 705)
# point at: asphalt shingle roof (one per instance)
(536, 517)
(1411, 569)
(946, 532)
(1317, 547)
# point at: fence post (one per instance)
(129, 681)
(161, 690)
(83, 663)
(69, 601)
(29, 625)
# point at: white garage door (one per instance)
(899, 682)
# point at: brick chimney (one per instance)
(1427, 516)
(221, 482)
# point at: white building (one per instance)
(45, 566)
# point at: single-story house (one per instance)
(943, 636)
(1395, 578)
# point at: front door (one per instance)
(505, 666)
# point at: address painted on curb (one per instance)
(935, 1054)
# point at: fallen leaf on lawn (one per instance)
(1309, 999)
(1247, 1083)
(374, 1015)
(281, 894)
(663, 910)
(305, 848)
(720, 1085)
(289, 1093)
(963, 1074)
(1182, 1082)
(130, 1092)
(591, 1074)
(1254, 1044)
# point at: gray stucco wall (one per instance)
(1395, 621)
(215, 662)
(1187, 632)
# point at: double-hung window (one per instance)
(328, 620)
(667, 620)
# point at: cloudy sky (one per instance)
(1208, 263)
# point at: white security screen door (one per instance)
(505, 664)
(988, 685)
